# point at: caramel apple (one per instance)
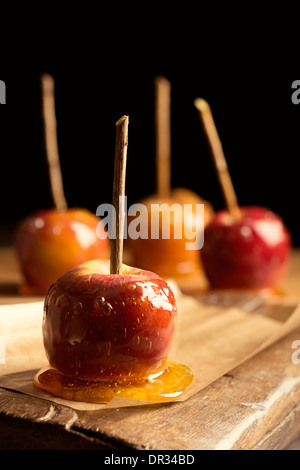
(49, 242)
(186, 196)
(244, 247)
(251, 253)
(108, 327)
(169, 256)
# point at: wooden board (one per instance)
(255, 406)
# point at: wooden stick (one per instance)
(116, 256)
(218, 157)
(162, 91)
(54, 169)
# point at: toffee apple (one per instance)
(186, 196)
(250, 253)
(244, 247)
(105, 321)
(168, 256)
(108, 327)
(50, 242)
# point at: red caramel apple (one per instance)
(51, 242)
(249, 253)
(108, 327)
(244, 247)
(169, 257)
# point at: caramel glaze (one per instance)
(171, 383)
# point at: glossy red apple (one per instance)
(50, 242)
(108, 327)
(252, 253)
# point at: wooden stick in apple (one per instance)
(218, 156)
(50, 129)
(116, 256)
(162, 92)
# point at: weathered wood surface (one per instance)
(294, 445)
(255, 406)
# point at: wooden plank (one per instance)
(295, 445)
(256, 406)
(236, 412)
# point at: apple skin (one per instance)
(108, 327)
(252, 253)
(169, 257)
(50, 242)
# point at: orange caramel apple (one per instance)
(50, 242)
(169, 257)
(186, 196)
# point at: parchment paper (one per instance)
(211, 340)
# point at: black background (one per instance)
(248, 87)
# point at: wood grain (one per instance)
(255, 406)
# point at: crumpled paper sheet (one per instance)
(211, 340)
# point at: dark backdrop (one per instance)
(250, 95)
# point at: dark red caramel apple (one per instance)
(251, 253)
(50, 242)
(106, 327)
